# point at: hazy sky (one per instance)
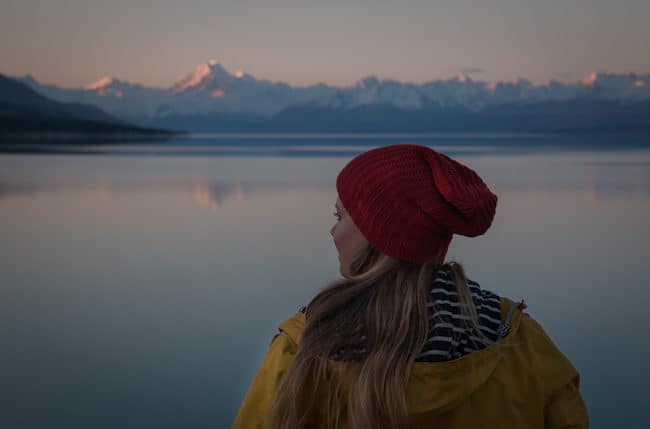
(75, 42)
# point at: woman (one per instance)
(404, 339)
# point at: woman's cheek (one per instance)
(335, 238)
(339, 235)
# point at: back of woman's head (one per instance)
(400, 198)
(408, 201)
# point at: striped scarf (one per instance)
(450, 334)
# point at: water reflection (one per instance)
(318, 145)
(203, 193)
(214, 195)
(211, 181)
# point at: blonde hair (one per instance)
(383, 300)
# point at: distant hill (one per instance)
(551, 116)
(24, 111)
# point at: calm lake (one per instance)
(141, 284)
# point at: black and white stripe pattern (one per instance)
(450, 333)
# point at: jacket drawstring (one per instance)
(504, 328)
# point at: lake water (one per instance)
(141, 284)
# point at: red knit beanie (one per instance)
(409, 200)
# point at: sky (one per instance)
(75, 42)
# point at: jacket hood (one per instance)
(435, 387)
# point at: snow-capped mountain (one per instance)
(205, 77)
(24, 112)
(211, 90)
(208, 89)
(119, 98)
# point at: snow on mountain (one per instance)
(211, 89)
(370, 90)
(460, 92)
(204, 77)
(119, 98)
(108, 86)
(101, 83)
(628, 86)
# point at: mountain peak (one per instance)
(367, 82)
(590, 79)
(210, 70)
(107, 86)
(100, 84)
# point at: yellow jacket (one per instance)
(521, 381)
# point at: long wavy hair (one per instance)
(382, 305)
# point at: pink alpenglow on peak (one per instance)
(218, 93)
(590, 79)
(101, 83)
(203, 196)
(239, 74)
(639, 83)
(104, 87)
(205, 77)
(203, 71)
(192, 79)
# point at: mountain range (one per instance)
(211, 98)
(24, 111)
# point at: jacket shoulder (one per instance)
(253, 411)
(293, 327)
(545, 358)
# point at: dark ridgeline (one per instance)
(24, 112)
(578, 115)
